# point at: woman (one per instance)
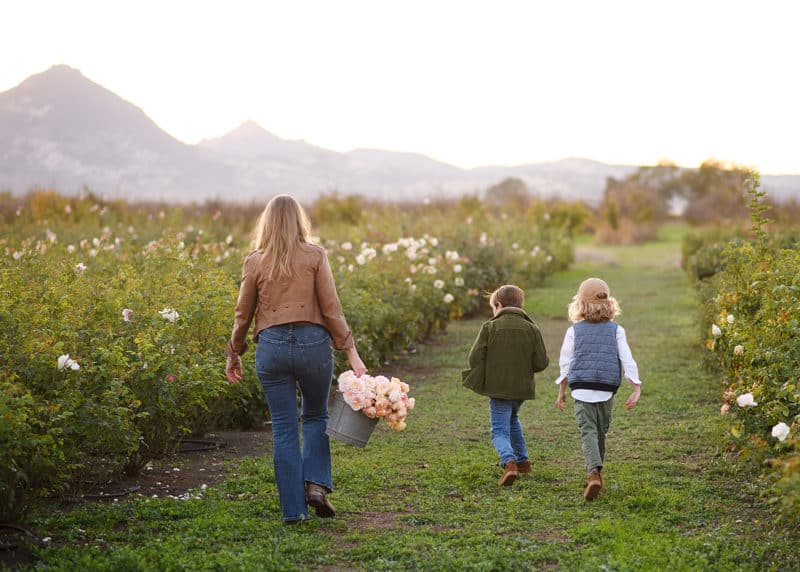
(287, 285)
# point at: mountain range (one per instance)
(59, 129)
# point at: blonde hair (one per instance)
(280, 229)
(593, 311)
(509, 296)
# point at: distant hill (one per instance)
(573, 179)
(59, 129)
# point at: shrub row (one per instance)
(112, 326)
(750, 291)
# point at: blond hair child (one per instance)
(594, 357)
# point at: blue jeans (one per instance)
(507, 435)
(288, 356)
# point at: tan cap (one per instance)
(593, 291)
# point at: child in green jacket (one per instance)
(502, 361)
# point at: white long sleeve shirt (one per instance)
(629, 367)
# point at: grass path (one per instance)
(427, 498)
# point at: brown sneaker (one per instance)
(594, 484)
(317, 497)
(524, 467)
(510, 473)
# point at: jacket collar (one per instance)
(512, 311)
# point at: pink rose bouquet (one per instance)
(377, 396)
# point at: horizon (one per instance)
(507, 86)
(252, 122)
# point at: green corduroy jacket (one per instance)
(507, 352)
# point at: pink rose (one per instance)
(383, 407)
(382, 387)
(346, 377)
(356, 402)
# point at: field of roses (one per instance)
(750, 288)
(114, 317)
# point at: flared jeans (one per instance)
(287, 357)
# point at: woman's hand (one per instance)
(356, 364)
(233, 369)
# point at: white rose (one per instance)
(65, 362)
(169, 314)
(746, 400)
(780, 431)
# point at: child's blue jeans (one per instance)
(507, 435)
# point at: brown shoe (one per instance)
(524, 467)
(317, 497)
(594, 484)
(510, 473)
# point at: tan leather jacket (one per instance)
(309, 297)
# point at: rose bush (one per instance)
(140, 299)
(752, 327)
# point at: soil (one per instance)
(14, 551)
(189, 469)
(171, 476)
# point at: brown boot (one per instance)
(317, 497)
(594, 484)
(510, 473)
(524, 467)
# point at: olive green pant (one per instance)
(594, 420)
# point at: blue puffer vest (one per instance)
(596, 362)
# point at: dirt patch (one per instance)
(371, 520)
(543, 536)
(14, 549)
(415, 371)
(551, 536)
(176, 475)
(16, 558)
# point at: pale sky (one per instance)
(469, 83)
